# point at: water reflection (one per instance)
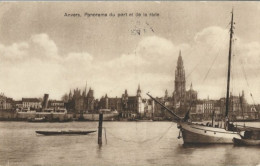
(99, 151)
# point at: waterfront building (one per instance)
(132, 106)
(159, 111)
(110, 103)
(199, 107)
(9, 103)
(89, 101)
(208, 107)
(81, 101)
(204, 109)
(103, 102)
(217, 110)
(238, 106)
(149, 107)
(129, 106)
(6, 103)
(18, 104)
(2, 102)
(56, 104)
(31, 103)
(78, 101)
(167, 99)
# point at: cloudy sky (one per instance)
(43, 51)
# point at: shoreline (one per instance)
(23, 120)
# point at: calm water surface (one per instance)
(128, 143)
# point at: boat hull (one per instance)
(64, 132)
(198, 134)
(246, 142)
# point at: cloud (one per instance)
(16, 51)
(212, 46)
(150, 64)
(211, 36)
(34, 67)
(46, 43)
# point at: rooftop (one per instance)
(30, 100)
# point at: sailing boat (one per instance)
(194, 133)
(201, 134)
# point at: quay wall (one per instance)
(7, 115)
(31, 115)
(24, 116)
(93, 117)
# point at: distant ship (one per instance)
(202, 134)
(40, 119)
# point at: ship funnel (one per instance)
(45, 101)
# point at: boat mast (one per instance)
(229, 64)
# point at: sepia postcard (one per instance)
(129, 83)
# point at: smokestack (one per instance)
(45, 101)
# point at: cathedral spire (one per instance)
(180, 80)
(166, 94)
(70, 95)
(139, 90)
(180, 61)
(84, 93)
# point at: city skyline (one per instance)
(46, 52)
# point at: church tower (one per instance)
(166, 94)
(180, 82)
(139, 101)
(106, 101)
(70, 95)
(84, 94)
(138, 93)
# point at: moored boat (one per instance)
(199, 134)
(202, 134)
(42, 119)
(246, 142)
(250, 138)
(68, 132)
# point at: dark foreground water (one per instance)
(128, 143)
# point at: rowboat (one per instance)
(246, 142)
(250, 138)
(69, 132)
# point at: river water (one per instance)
(124, 143)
